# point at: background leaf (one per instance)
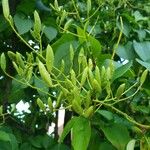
(81, 134)
(117, 134)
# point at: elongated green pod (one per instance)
(76, 107)
(90, 63)
(76, 93)
(41, 104)
(6, 10)
(73, 77)
(120, 91)
(1, 110)
(49, 58)
(20, 61)
(29, 73)
(68, 24)
(97, 75)
(81, 55)
(87, 101)
(56, 5)
(63, 16)
(3, 62)
(65, 91)
(89, 112)
(90, 75)
(12, 55)
(62, 66)
(103, 72)
(71, 53)
(88, 6)
(96, 86)
(59, 99)
(17, 68)
(69, 84)
(84, 76)
(84, 62)
(50, 104)
(108, 73)
(143, 76)
(44, 74)
(37, 22)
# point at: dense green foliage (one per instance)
(90, 58)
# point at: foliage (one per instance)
(76, 62)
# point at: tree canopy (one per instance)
(89, 58)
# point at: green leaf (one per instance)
(117, 134)
(121, 70)
(40, 84)
(126, 52)
(106, 114)
(4, 136)
(81, 133)
(106, 146)
(138, 16)
(22, 23)
(6, 10)
(142, 49)
(3, 61)
(67, 129)
(94, 44)
(131, 145)
(145, 64)
(50, 32)
(61, 49)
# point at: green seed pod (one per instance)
(37, 22)
(88, 6)
(84, 62)
(62, 66)
(16, 67)
(50, 104)
(120, 91)
(84, 76)
(3, 62)
(87, 101)
(41, 105)
(76, 93)
(67, 24)
(49, 58)
(20, 61)
(29, 73)
(86, 25)
(76, 107)
(12, 55)
(1, 110)
(90, 75)
(59, 99)
(73, 77)
(44, 74)
(90, 63)
(96, 86)
(143, 76)
(103, 72)
(108, 73)
(89, 112)
(65, 91)
(71, 53)
(69, 84)
(97, 75)
(6, 10)
(80, 56)
(63, 16)
(56, 5)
